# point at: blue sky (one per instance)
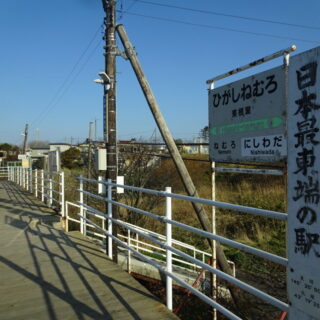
(52, 50)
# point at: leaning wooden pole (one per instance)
(167, 137)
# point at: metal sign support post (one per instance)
(214, 231)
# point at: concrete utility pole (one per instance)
(110, 132)
(167, 137)
(89, 149)
(89, 169)
(25, 140)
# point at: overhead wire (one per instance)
(70, 83)
(222, 28)
(208, 12)
(62, 88)
(122, 11)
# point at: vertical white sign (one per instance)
(303, 186)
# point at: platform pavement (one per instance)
(46, 273)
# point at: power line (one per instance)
(122, 11)
(61, 90)
(70, 83)
(227, 15)
(222, 28)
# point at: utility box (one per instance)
(101, 187)
(54, 162)
(100, 159)
(25, 162)
(120, 180)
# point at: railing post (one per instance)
(137, 242)
(22, 177)
(42, 185)
(67, 216)
(214, 245)
(109, 221)
(27, 175)
(62, 193)
(50, 190)
(36, 183)
(168, 252)
(129, 253)
(30, 180)
(81, 205)
(26, 178)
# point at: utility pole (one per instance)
(89, 149)
(110, 132)
(25, 140)
(89, 159)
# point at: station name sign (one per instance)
(247, 119)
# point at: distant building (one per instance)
(60, 146)
(196, 147)
(37, 153)
(83, 147)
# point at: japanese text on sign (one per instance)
(303, 183)
(248, 108)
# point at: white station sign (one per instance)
(247, 119)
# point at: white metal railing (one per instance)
(47, 186)
(138, 244)
(86, 211)
(4, 171)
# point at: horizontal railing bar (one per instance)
(56, 192)
(158, 248)
(97, 234)
(52, 181)
(52, 172)
(53, 190)
(258, 293)
(253, 64)
(202, 296)
(51, 198)
(72, 204)
(74, 220)
(222, 205)
(174, 241)
(258, 252)
(163, 255)
(251, 171)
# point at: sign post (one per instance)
(303, 186)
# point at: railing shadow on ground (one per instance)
(20, 197)
(41, 234)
